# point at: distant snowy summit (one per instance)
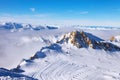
(13, 26)
(97, 27)
(19, 27)
(115, 38)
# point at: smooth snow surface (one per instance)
(45, 59)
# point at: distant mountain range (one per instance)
(19, 27)
(22, 26)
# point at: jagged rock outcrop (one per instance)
(81, 39)
(115, 38)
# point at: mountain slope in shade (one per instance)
(8, 75)
(86, 60)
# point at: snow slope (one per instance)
(63, 61)
(56, 58)
(22, 43)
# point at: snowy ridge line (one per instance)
(13, 27)
(98, 27)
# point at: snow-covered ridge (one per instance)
(20, 26)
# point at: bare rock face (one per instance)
(82, 39)
(112, 38)
(79, 39)
(115, 38)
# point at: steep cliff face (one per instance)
(81, 39)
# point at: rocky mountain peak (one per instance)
(82, 39)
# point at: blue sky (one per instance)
(84, 12)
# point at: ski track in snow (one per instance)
(63, 70)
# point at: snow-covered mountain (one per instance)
(73, 57)
(20, 26)
(68, 54)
